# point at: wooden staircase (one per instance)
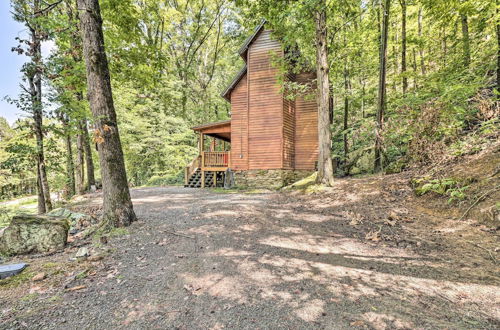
(213, 164)
(194, 180)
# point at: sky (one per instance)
(11, 63)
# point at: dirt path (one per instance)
(260, 261)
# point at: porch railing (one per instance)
(216, 158)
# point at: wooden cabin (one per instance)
(269, 140)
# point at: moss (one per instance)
(118, 232)
(304, 183)
(17, 280)
(29, 297)
(55, 298)
(109, 232)
(40, 220)
(82, 275)
(50, 265)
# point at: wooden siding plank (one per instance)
(265, 130)
(239, 119)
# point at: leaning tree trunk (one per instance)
(381, 101)
(117, 204)
(325, 165)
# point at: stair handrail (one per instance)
(191, 168)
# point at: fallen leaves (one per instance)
(39, 277)
(373, 236)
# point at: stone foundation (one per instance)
(268, 179)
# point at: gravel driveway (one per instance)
(204, 260)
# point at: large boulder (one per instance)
(34, 233)
(77, 221)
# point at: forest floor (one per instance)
(358, 255)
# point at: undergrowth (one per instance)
(455, 189)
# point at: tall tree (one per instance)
(83, 141)
(325, 164)
(70, 189)
(117, 204)
(381, 100)
(30, 13)
(403, 45)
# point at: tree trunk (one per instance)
(465, 39)
(381, 102)
(421, 47)
(403, 46)
(35, 82)
(80, 161)
(346, 106)
(88, 155)
(41, 198)
(363, 92)
(325, 164)
(117, 204)
(70, 166)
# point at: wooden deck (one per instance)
(209, 162)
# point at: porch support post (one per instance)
(202, 179)
(202, 142)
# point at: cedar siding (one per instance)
(239, 125)
(269, 131)
(265, 104)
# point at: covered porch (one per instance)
(214, 157)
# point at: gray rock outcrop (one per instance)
(34, 233)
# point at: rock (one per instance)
(39, 277)
(78, 221)
(83, 252)
(11, 270)
(34, 233)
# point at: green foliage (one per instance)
(455, 189)
(170, 60)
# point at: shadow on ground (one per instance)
(199, 260)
